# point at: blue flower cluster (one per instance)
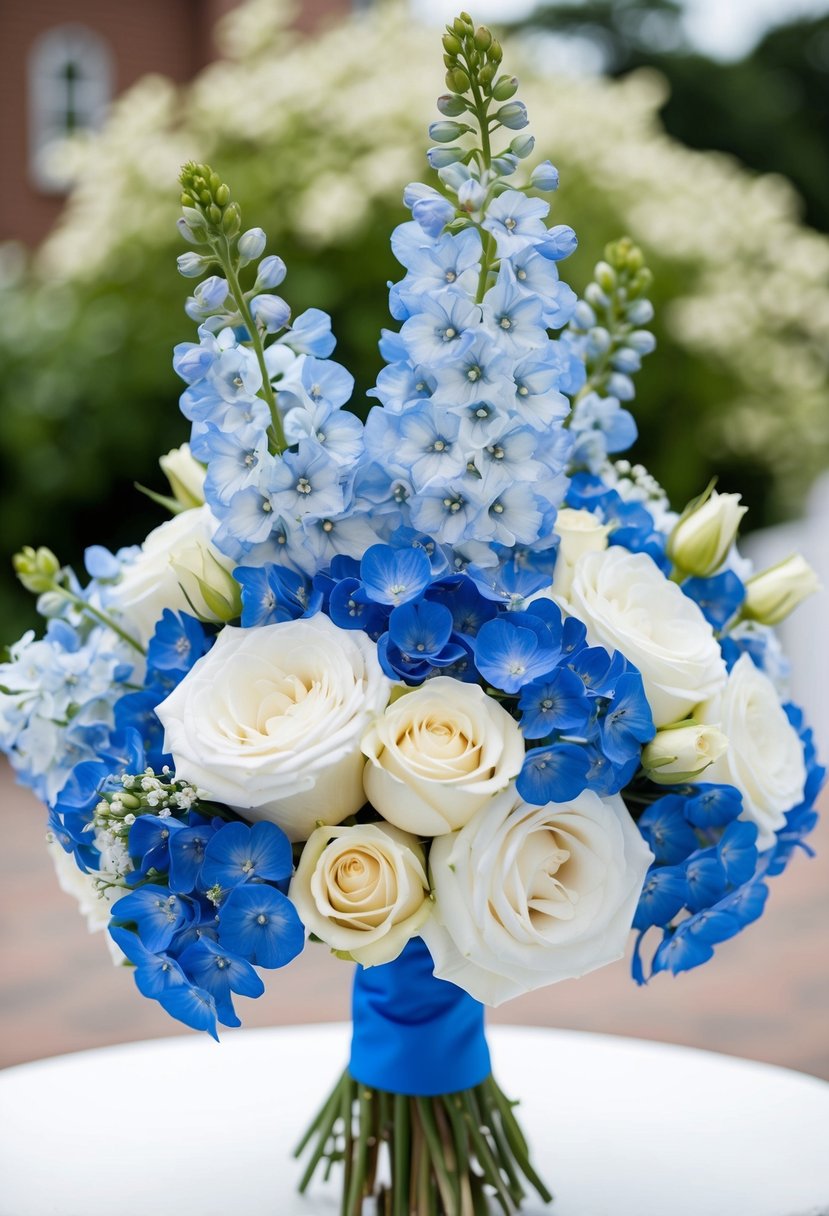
(631, 524)
(470, 446)
(707, 882)
(291, 502)
(210, 908)
(178, 642)
(208, 899)
(57, 697)
(583, 711)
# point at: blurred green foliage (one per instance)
(317, 146)
(770, 107)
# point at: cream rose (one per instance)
(764, 758)
(627, 604)
(270, 720)
(439, 754)
(151, 583)
(529, 895)
(363, 890)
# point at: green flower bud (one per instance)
(483, 38)
(36, 568)
(486, 75)
(222, 195)
(451, 44)
(459, 26)
(232, 219)
(469, 24)
(641, 282)
(496, 53)
(457, 80)
(505, 87)
(605, 276)
(451, 105)
(214, 213)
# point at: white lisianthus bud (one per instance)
(682, 752)
(185, 475)
(774, 593)
(704, 533)
(363, 890)
(580, 532)
(150, 582)
(210, 588)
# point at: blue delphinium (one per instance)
(57, 697)
(265, 400)
(470, 446)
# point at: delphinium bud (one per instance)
(205, 199)
(251, 245)
(37, 569)
(609, 319)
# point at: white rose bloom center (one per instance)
(270, 720)
(764, 758)
(528, 895)
(628, 604)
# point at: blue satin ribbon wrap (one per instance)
(413, 1033)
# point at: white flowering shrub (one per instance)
(317, 149)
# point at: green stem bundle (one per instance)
(437, 1156)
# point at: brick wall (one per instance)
(173, 37)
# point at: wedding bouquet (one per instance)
(453, 691)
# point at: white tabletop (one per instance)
(619, 1127)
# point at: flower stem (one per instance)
(102, 618)
(221, 248)
(443, 1154)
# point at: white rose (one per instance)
(529, 895)
(270, 720)
(764, 758)
(580, 532)
(439, 754)
(627, 604)
(151, 583)
(363, 890)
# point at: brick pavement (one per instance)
(765, 995)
